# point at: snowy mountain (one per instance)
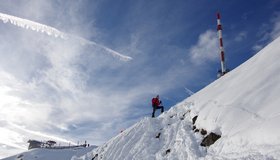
(54, 154)
(242, 107)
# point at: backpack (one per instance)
(154, 102)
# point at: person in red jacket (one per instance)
(156, 105)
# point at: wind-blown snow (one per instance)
(27, 24)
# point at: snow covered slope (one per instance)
(242, 106)
(51, 154)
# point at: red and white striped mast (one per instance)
(222, 51)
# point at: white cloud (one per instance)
(206, 48)
(55, 86)
(268, 32)
(257, 47)
(276, 26)
(68, 90)
(45, 84)
(241, 36)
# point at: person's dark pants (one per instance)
(155, 108)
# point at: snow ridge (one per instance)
(242, 107)
(51, 31)
(169, 136)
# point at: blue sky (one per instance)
(81, 92)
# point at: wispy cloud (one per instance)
(268, 32)
(72, 91)
(206, 49)
(48, 84)
(275, 33)
(27, 24)
(241, 36)
(58, 87)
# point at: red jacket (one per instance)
(155, 102)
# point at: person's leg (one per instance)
(154, 109)
(162, 109)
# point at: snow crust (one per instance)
(51, 31)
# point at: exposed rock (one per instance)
(194, 119)
(167, 151)
(158, 135)
(184, 115)
(203, 132)
(210, 139)
(196, 130)
(95, 156)
(19, 156)
(194, 127)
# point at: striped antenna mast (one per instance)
(222, 51)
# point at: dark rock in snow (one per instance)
(194, 119)
(203, 131)
(158, 135)
(173, 115)
(95, 156)
(183, 117)
(210, 139)
(19, 156)
(167, 151)
(196, 130)
(194, 127)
